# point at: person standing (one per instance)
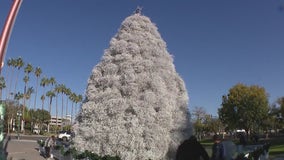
(217, 149)
(49, 143)
(191, 149)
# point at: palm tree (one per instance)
(52, 81)
(50, 94)
(44, 82)
(42, 98)
(57, 90)
(42, 108)
(28, 69)
(78, 99)
(72, 97)
(37, 74)
(25, 79)
(11, 64)
(18, 96)
(6, 77)
(30, 91)
(19, 63)
(67, 92)
(2, 85)
(62, 90)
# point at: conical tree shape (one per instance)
(136, 103)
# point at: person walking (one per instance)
(217, 149)
(191, 149)
(49, 143)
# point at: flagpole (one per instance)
(6, 32)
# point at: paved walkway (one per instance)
(29, 150)
(23, 150)
(279, 157)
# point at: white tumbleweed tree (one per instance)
(136, 105)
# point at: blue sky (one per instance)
(216, 44)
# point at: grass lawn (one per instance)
(276, 148)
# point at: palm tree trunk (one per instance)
(36, 94)
(16, 82)
(6, 89)
(66, 107)
(10, 85)
(62, 113)
(24, 107)
(76, 109)
(72, 111)
(56, 113)
(50, 102)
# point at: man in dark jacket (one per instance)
(191, 149)
(217, 149)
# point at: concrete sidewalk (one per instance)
(279, 157)
(23, 150)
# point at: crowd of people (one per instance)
(190, 149)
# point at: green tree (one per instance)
(40, 116)
(213, 124)
(280, 103)
(44, 116)
(276, 114)
(270, 122)
(198, 116)
(11, 113)
(244, 107)
(2, 85)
